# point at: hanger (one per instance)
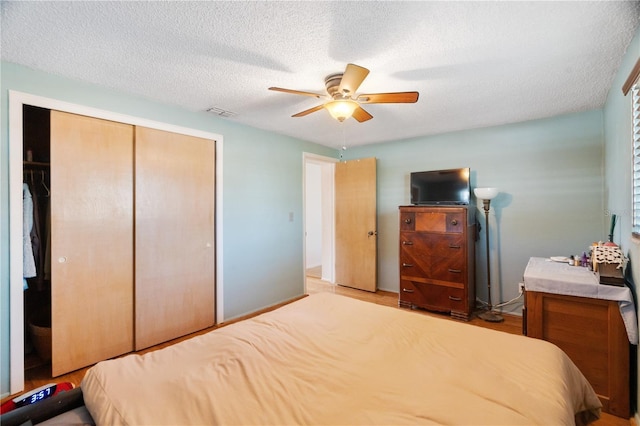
(43, 183)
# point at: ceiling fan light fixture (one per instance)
(343, 101)
(341, 109)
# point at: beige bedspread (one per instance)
(329, 359)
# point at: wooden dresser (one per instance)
(437, 259)
(588, 329)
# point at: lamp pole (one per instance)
(489, 315)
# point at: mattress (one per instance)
(329, 359)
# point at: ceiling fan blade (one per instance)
(389, 98)
(352, 78)
(296, 92)
(308, 111)
(361, 115)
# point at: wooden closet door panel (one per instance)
(91, 240)
(175, 257)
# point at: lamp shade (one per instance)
(341, 109)
(485, 193)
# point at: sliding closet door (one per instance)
(174, 236)
(91, 240)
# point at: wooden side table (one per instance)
(589, 329)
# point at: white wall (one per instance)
(313, 215)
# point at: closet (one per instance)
(36, 238)
(132, 238)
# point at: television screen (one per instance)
(448, 187)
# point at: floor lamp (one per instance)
(486, 195)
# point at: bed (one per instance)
(329, 359)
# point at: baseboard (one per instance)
(259, 311)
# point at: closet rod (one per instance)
(35, 164)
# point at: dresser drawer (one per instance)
(410, 294)
(440, 221)
(424, 264)
(433, 269)
(451, 269)
(434, 297)
(448, 245)
(407, 221)
(438, 244)
(414, 262)
(457, 301)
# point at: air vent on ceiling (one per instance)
(221, 112)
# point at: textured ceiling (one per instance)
(475, 64)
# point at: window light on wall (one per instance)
(635, 119)
(632, 84)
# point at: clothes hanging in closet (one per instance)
(28, 261)
(36, 241)
(47, 250)
(39, 232)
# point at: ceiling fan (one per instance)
(343, 102)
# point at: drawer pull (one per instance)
(454, 222)
(406, 290)
(454, 246)
(407, 220)
(455, 299)
(455, 271)
(407, 243)
(407, 265)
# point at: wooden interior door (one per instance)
(174, 235)
(91, 240)
(356, 224)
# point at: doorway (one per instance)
(36, 204)
(340, 222)
(319, 219)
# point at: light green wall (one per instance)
(618, 153)
(262, 178)
(549, 173)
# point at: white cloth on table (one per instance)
(544, 275)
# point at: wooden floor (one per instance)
(36, 377)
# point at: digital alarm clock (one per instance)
(36, 395)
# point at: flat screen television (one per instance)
(446, 187)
